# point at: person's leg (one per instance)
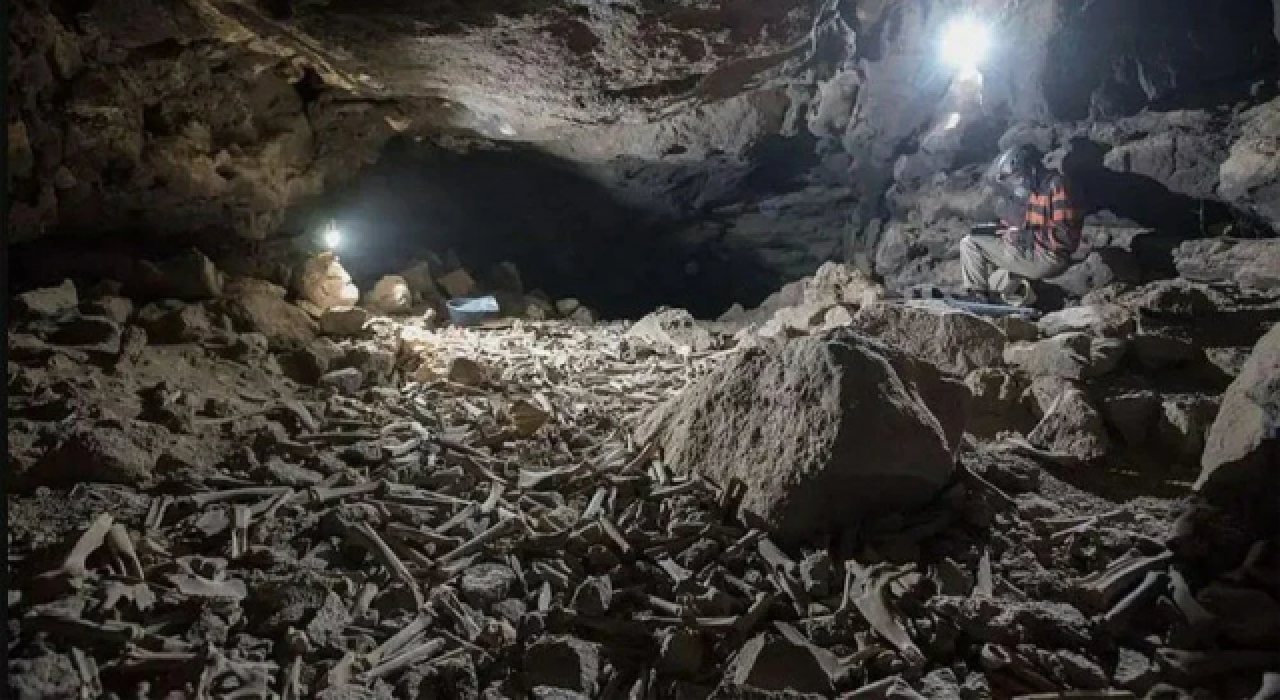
(976, 264)
(980, 256)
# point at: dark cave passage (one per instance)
(615, 240)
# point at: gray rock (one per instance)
(1253, 264)
(329, 622)
(48, 302)
(1177, 298)
(680, 651)
(487, 583)
(346, 381)
(43, 677)
(563, 662)
(802, 424)
(458, 284)
(88, 330)
(1107, 320)
(1183, 425)
(325, 283)
(343, 321)
(190, 276)
(1157, 352)
(1068, 356)
(118, 309)
(103, 453)
(1242, 452)
(286, 325)
(1133, 415)
(956, 342)
(670, 330)
(771, 663)
(1001, 401)
(172, 323)
(390, 295)
(1073, 427)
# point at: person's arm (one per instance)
(1067, 222)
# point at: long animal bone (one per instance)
(868, 592)
(200, 500)
(364, 535)
(75, 567)
(1100, 589)
(411, 657)
(121, 545)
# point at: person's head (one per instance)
(1019, 167)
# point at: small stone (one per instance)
(487, 583)
(329, 621)
(191, 276)
(680, 652)
(567, 306)
(170, 323)
(1157, 352)
(458, 284)
(344, 321)
(375, 363)
(346, 381)
(563, 662)
(307, 364)
(1103, 320)
(1132, 415)
(774, 664)
(118, 309)
(88, 330)
(1073, 427)
(670, 330)
(1069, 356)
(103, 453)
(1134, 671)
(1183, 426)
(593, 596)
(527, 417)
(467, 372)
(582, 315)
(50, 301)
(390, 295)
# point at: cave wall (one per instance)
(745, 166)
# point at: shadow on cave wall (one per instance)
(1174, 217)
(604, 236)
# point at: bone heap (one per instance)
(230, 496)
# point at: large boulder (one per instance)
(325, 283)
(1107, 320)
(391, 295)
(1248, 177)
(1242, 453)
(284, 324)
(1254, 264)
(954, 341)
(824, 432)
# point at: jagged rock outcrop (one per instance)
(1241, 459)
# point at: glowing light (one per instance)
(332, 237)
(965, 43)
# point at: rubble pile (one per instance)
(227, 498)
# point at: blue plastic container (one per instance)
(469, 312)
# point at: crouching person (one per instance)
(1040, 249)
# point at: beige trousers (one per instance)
(981, 256)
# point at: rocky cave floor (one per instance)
(229, 498)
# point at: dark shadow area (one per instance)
(607, 236)
(1174, 217)
(1115, 58)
